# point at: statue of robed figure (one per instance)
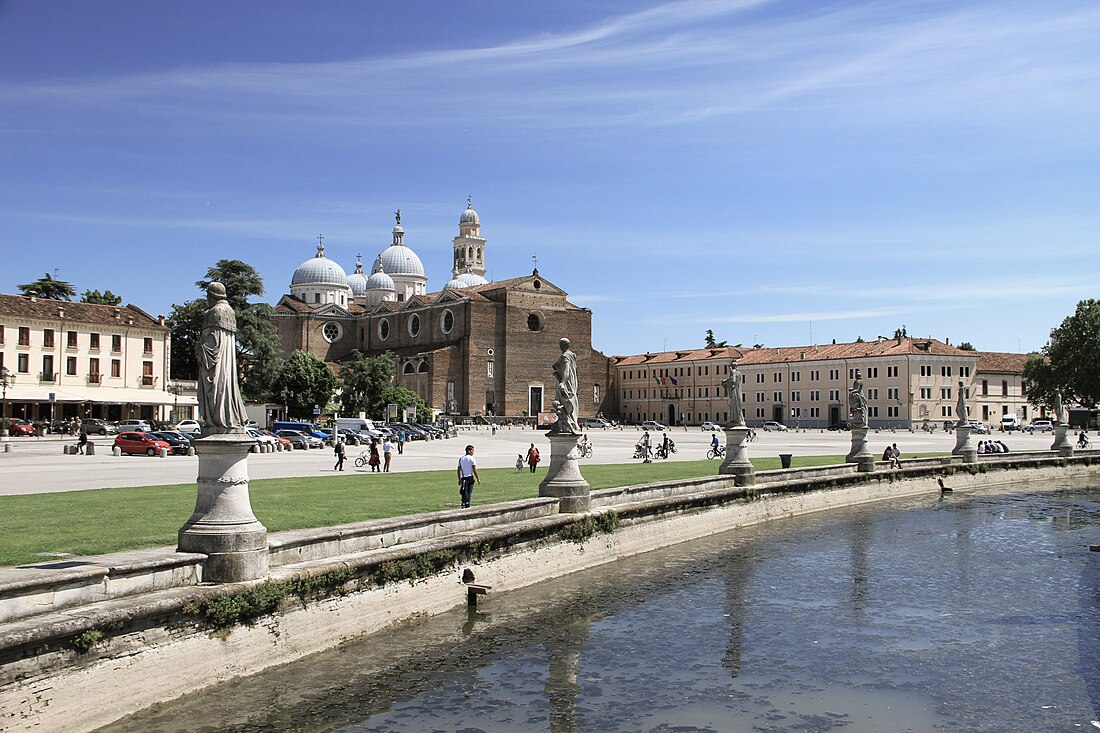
(566, 403)
(732, 383)
(220, 403)
(857, 404)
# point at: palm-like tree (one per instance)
(47, 287)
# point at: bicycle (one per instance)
(586, 451)
(1083, 442)
(718, 452)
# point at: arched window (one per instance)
(409, 369)
(479, 254)
(423, 368)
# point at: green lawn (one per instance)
(110, 520)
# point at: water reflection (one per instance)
(978, 613)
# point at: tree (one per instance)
(257, 338)
(48, 288)
(403, 397)
(303, 381)
(712, 344)
(1072, 354)
(900, 333)
(97, 298)
(966, 346)
(362, 380)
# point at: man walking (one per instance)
(467, 475)
(387, 454)
(341, 454)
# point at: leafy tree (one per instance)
(711, 343)
(303, 381)
(1072, 354)
(362, 380)
(900, 333)
(402, 397)
(257, 338)
(97, 298)
(47, 287)
(966, 346)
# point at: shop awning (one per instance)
(100, 395)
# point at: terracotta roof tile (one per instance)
(20, 306)
(749, 356)
(1002, 362)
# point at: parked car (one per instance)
(261, 438)
(300, 440)
(1040, 426)
(190, 427)
(178, 443)
(134, 425)
(979, 427)
(432, 430)
(842, 425)
(352, 437)
(771, 425)
(133, 442)
(591, 423)
(20, 427)
(1010, 422)
(285, 443)
(710, 427)
(654, 426)
(948, 424)
(102, 427)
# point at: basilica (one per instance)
(472, 347)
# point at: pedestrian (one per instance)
(645, 444)
(341, 453)
(387, 454)
(83, 440)
(895, 456)
(494, 429)
(664, 445)
(467, 475)
(519, 463)
(400, 442)
(533, 457)
(375, 459)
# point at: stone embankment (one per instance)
(89, 640)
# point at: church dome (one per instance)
(470, 279)
(358, 281)
(320, 270)
(401, 260)
(455, 284)
(469, 216)
(379, 280)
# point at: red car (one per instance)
(20, 427)
(140, 443)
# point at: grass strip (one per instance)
(100, 521)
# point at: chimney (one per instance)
(33, 296)
(160, 319)
(60, 311)
(117, 315)
(899, 338)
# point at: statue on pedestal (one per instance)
(1057, 408)
(220, 403)
(732, 383)
(857, 404)
(566, 403)
(961, 412)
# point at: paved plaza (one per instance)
(37, 465)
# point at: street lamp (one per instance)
(175, 388)
(8, 379)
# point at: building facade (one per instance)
(907, 382)
(472, 347)
(84, 360)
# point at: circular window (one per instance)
(414, 324)
(332, 331)
(489, 352)
(447, 322)
(383, 330)
(537, 285)
(534, 322)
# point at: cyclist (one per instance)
(714, 441)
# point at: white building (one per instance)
(83, 360)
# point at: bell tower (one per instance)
(469, 244)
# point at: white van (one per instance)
(359, 425)
(1010, 422)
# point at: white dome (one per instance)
(380, 281)
(469, 279)
(398, 259)
(469, 216)
(357, 281)
(455, 284)
(320, 271)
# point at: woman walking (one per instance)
(375, 460)
(533, 457)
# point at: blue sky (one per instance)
(781, 172)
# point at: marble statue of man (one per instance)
(857, 403)
(565, 370)
(961, 412)
(220, 403)
(1057, 408)
(732, 383)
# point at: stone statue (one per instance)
(857, 404)
(565, 370)
(1057, 408)
(960, 408)
(732, 383)
(220, 403)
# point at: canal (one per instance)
(968, 612)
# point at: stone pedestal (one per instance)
(963, 445)
(860, 449)
(223, 526)
(1062, 442)
(737, 462)
(563, 477)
